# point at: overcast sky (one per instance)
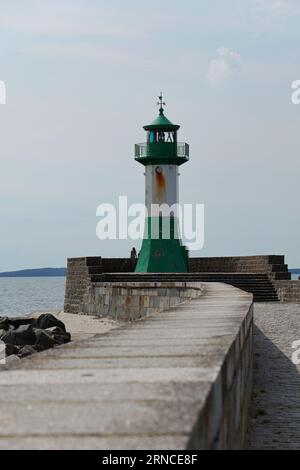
(82, 79)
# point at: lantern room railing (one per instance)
(144, 150)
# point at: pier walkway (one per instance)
(275, 409)
(158, 383)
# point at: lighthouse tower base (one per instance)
(161, 254)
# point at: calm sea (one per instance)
(21, 295)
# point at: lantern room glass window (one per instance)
(158, 136)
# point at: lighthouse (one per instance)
(162, 249)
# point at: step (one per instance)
(251, 281)
(185, 275)
(283, 276)
(258, 284)
(279, 268)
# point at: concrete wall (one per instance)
(288, 291)
(223, 419)
(133, 300)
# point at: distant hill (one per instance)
(295, 271)
(41, 272)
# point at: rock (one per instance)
(2, 332)
(24, 336)
(4, 323)
(19, 337)
(62, 339)
(9, 337)
(12, 358)
(44, 339)
(7, 323)
(55, 330)
(26, 351)
(60, 336)
(11, 349)
(47, 320)
(16, 322)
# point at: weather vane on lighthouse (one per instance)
(161, 103)
(161, 154)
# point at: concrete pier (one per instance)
(178, 379)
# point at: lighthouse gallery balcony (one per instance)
(168, 152)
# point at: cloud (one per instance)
(64, 18)
(221, 68)
(278, 7)
(87, 51)
(74, 29)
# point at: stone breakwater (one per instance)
(253, 274)
(25, 336)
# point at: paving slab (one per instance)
(102, 392)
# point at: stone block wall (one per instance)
(117, 265)
(83, 272)
(79, 275)
(272, 265)
(78, 280)
(130, 301)
(288, 291)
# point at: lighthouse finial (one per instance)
(161, 103)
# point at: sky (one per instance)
(82, 77)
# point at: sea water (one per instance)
(23, 295)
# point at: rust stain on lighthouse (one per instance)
(160, 184)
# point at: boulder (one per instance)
(46, 321)
(26, 351)
(10, 350)
(24, 336)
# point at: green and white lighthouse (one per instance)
(162, 154)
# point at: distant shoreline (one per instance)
(40, 272)
(62, 272)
